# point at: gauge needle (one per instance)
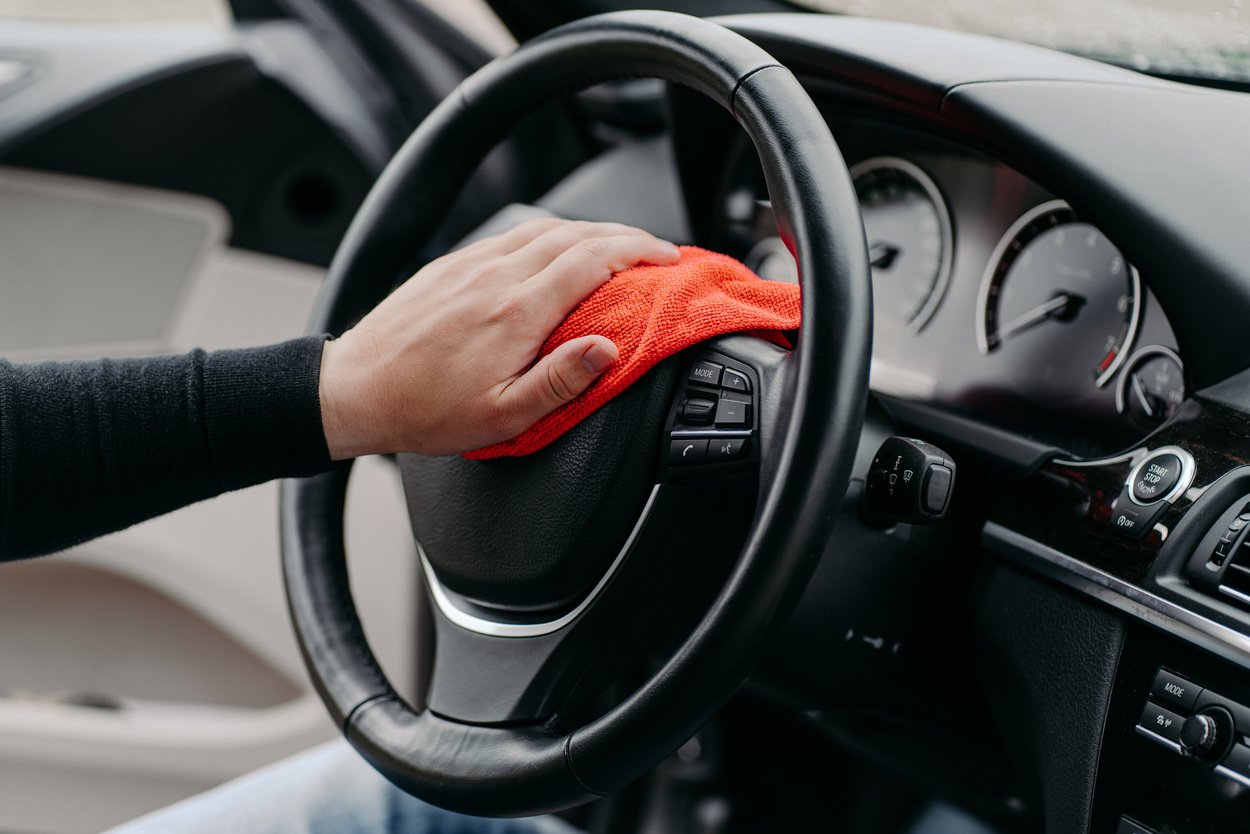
(1054, 308)
(1139, 389)
(882, 255)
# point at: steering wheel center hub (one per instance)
(522, 538)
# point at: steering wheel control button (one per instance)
(726, 449)
(1161, 476)
(910, 481)
(1156, 478)
(731, 380)
(733, 412)
(698, 412)
(706, 373)
(710, 425)
(687, 451)
(1173, 689)
(1161, 722)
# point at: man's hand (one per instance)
(446, 363)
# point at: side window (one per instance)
(117, 11)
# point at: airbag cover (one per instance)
(534, 533)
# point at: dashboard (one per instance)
(992, 295)
(1059, 280)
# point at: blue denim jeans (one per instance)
(330, 790)
(327, 790)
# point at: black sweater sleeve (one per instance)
(90, 447)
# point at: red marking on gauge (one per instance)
(1106, 361)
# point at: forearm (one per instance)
(87, 448)
(447, 363)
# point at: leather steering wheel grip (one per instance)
(513, 771)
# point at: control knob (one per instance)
(1206, 734)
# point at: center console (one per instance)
(1162, 534)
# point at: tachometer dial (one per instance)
(1152, 387)
(1059, 297)
(910, 241)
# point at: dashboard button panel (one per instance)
(1199, 724)
(1162, 722)
(1172, 689)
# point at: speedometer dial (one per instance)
(1060, 299)
(910, 241)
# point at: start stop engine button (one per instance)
(1152, 486)
(1159, 478)
(1156, 477)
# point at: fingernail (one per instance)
(597, 358)
(673, 251)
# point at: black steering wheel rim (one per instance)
(498, 770)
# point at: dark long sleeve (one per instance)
(90, 447)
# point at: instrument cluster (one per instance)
(991, 295)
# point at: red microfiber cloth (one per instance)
(652, 312)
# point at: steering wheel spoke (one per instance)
(491, 667)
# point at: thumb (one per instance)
(557, 378)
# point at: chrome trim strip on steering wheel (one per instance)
(495, 628)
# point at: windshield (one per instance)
(1207, 39)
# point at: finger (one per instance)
(556, 379)
(586, 266)
(512, 239)
(542, 250)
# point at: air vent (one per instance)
(1236, 580)
(1222, 562)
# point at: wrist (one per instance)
(346, 432)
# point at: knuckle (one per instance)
(571, 232)
(505, 422)
(591, 248)
(561, 382)
(487, 273)
(538, 225)
(509, 308)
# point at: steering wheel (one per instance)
(554, 574)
